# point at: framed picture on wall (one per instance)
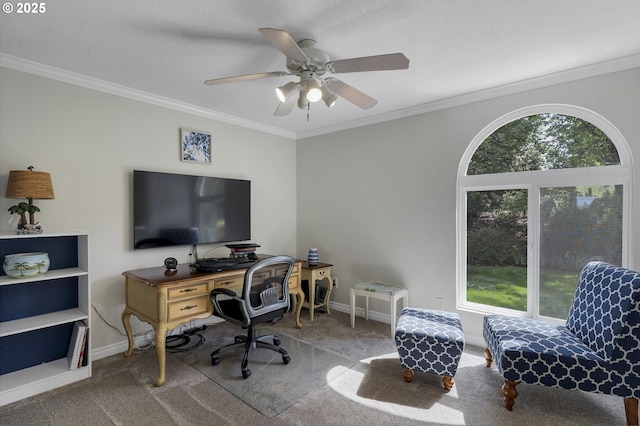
(195, 146)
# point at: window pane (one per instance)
(497, 248)
(577, 225)
(543, 142)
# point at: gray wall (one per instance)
(90, 142)
(379, 201)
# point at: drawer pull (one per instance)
(188, 290)
(188, 308)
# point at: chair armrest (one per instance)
(225, 291)
(227, 311)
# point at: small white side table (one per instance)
(380, 291)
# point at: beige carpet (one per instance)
(372, 392)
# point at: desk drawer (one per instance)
(188, 290)
(188, 308)
(230, 282)
(295, 271)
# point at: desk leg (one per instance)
(312, 294)
(126, 322)
(327, 297)
(161, 337)
(299, 295)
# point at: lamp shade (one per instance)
(29, 184)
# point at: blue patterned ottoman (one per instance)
(429, 341)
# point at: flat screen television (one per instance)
(173, 209)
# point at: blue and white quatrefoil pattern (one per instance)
(429, 341)
(597, 351)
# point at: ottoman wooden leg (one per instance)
(488, 357)
(448, 383)
(408, 375)
(631, 410)
(510, 393)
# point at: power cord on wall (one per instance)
(178, 340)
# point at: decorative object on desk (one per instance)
(28, 184)
(243, 250)
(23, 265)
(171, 264)
(313, 256)
(195, 146)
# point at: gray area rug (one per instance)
(273, 386)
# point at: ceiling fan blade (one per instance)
(283, 41)
(284, 108)
(351, 94)
(247, 77)
(391, 61)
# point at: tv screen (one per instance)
(172, 209)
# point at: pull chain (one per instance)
(308, 109)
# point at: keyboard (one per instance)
(213, 264)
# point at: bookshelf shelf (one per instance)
(38, 313)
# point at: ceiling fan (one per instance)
(311, 65)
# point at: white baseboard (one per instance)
(385, 318)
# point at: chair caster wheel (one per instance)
(215, 360)
(276, 341)
(246, 373)
(286, 359)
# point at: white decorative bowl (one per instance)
(23, 265)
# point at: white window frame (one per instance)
(533, 181)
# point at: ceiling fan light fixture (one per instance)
(328, 97)
(303, 102)
(314, 92)
(283, 92)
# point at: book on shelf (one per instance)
(83, 348)
(76, 343)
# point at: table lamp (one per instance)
(28, 184)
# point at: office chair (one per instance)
(264, 298)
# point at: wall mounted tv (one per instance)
(173, 209)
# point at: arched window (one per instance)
(541, 192)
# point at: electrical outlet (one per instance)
(335, 282)
(440, 303)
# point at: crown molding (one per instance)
(53, 73)
(548, 80)
(574, 74)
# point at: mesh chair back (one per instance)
(266, 286)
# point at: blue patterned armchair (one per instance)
(597, 350)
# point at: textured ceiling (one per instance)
(168, 48)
